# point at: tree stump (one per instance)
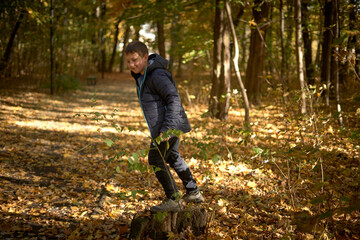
(158, 225)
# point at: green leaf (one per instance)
(318, 199)
(142, 192)
(156, 169)
(135, 156)
(344, 199)
(119, 154)
(326, 215)
(257, 150)
(109, 142)
(110, 160)
(131, 160)
(178, 133)
(315, 168)
(337, 41)
(133, 193)
(121, 195)
(216, 158)
(144, 152)
(176, 195)
(160, 216)
(318, 185)
(352, 207)
(118, 169)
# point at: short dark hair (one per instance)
(137, 47)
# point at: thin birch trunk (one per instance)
(236, 65)
(282, 30)
(336, 63)
(299, 55)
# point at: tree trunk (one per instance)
(137, 29)
(52, 47)
(299, 55)
(244, 37)
(317, 61)
(224, 93)
(95, 40)
(306, 34)
(357, 38)
(354, 40)
(289, 42)
(179, 72)
(220, 92)
(174, 33)
(102, 35)
(236, 64)
(335, 62)
(116, 40)
(326, 47)
(282, 70)
(269, 45)
(161, 38)
(257, 53)
(160, 31)
(5, 59)
(63, 55)
(125, 42)
(357, 57)
(218, 40)
(158, 225)
(236, 22)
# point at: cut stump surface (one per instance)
(158, 225)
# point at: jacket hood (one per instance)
(156, 61)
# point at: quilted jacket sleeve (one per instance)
(166, 89)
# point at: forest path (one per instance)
(52, 164)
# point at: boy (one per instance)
(162, 110)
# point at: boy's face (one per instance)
(136, 62)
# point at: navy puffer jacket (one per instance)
(159, 98)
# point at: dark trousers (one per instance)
(171, 155)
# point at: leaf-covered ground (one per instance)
(291, 177)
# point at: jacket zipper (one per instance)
(139, 92)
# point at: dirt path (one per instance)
(52, 171)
